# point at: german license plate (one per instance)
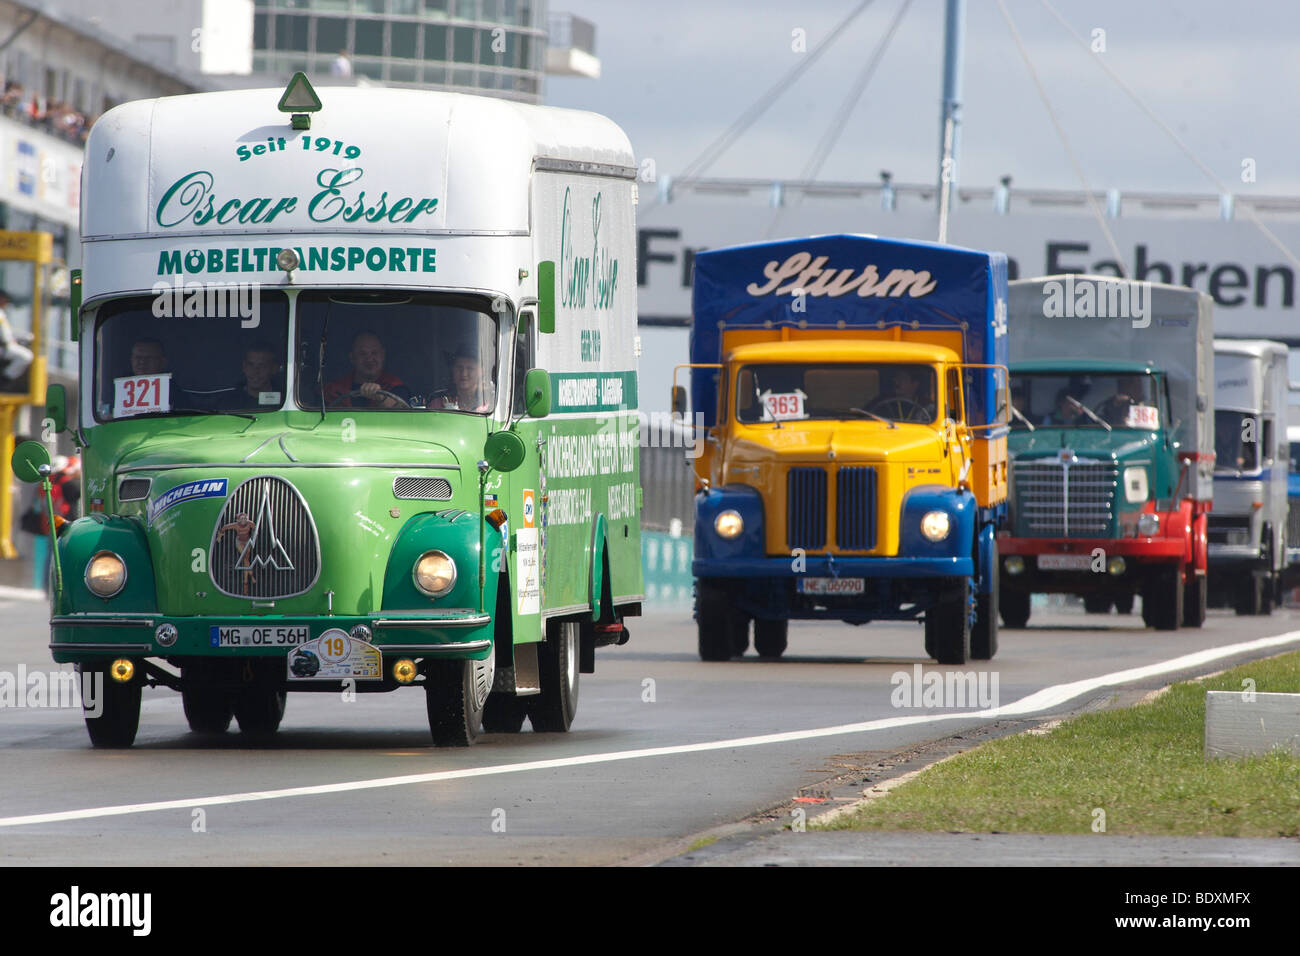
(832, 585)
(244, 635)
(1065, 562)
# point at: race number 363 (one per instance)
(138, 394)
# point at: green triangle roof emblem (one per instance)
(299, 97)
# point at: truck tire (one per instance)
(1096, 604)
(1014, 607)
(259, 710)
(207, 709)
(1250, 595)
(721, 626)
(119, 720)
(1195, 599)
(1162, 598)
(552, 711)
(1124, 604)
(504, 713)
(770, 637)
(454, 696)
(947, 624)
(984, 632)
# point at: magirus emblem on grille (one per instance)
(265, 543)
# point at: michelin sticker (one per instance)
(527, 570)
(207, 488)
(335, 656)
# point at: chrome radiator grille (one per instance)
(1065, 499)
(265, 543)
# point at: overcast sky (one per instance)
(1225, 76)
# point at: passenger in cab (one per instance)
(361, 387)
(469, 393)
(263, 381)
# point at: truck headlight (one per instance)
(1148, 524)
(105, 574)
(729, 524)
(1014, 564)
(935, 525)
(434, 573)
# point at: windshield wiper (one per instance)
(879, 418)
(189, 411)
(320, 358)
(1087, 411)
(1015, 411)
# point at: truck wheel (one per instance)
(553, 710)
(1162, 598)
(504, 713)
(119, 719)
(454, 695)
(1014, 606)
(1250, 595)
(740, 634)
(984, 632)
(1195, 600)
(947, 624)
(207, 709)
(770, 637)
(1094, 604)
(721, 626)
(259, 710)
(1124, 604)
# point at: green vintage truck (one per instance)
(357, 407)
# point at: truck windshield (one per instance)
(889, 391)
(1084, 400)
(199, 352)
(396, 351)
(1236, 444)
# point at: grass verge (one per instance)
(1143, 767)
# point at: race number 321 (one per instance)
(138, 394)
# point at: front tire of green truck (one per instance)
(722, 628)
(770, 638)
(119, 719)
(208, 710)
(259, 710)
(1162, 598)
(454, 695)
(553, 710)
(947, 624)
(1014, 607)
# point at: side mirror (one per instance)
(28, 460)
(679, 400)
(537, 393)
(56, 406)
(503, 451)
(546, 296)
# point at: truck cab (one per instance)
(1247, 529)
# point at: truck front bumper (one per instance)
(454, 633)
(820, 566)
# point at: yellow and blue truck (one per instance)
(853, 391)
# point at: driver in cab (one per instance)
(365, 386)
(905, 397)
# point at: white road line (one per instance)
(1044, 699)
